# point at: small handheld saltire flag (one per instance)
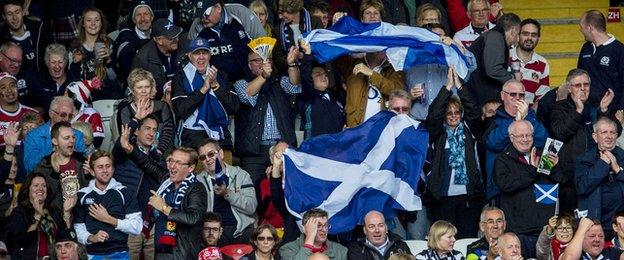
(405, 46)
(546, 193)
(375, 166)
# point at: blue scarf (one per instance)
(287, 34)
(165, 233)
(457, 153)
(211, 115)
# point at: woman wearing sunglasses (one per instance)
(455, 188)
(264, 239)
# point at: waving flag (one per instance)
(375, 166)
(405, 46)
(546, 193)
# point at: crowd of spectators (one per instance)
(177, 181)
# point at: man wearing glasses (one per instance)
(526, 194)
(231, 194)
(571, 123)
(314, 239)
(28, 85)
(492, 224)
(38, 142)
(179, 206)
(496, 136)
(160, 56)
(478, 12)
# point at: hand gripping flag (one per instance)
(375, 166)
(405, 46)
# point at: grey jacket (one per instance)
(246, 17)
(295, 250)
(241, 196)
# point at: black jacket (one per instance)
(360, 250)
(491, 72)
(250, 119)
(439, 177)
(185, 105)
(326, 116)
(147, 58)
(516, 181)
(22, 244)
(40, 38)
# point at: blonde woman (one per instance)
(441, 242)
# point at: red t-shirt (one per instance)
(68, 176)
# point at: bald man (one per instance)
(377, 243)
(509, 247)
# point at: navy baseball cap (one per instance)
(164, 27)
(199, 44)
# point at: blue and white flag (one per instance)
(375, 166)
(546, 193)
(405, 46)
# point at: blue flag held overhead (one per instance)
(405, 46)
(375, 166)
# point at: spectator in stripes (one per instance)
(440, 243)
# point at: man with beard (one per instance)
(30, 34)
(63, 168)
(589, 243)
(38, 142)
(598, 177)
(131, 39)
(106, 212)
(314, 239)
(211, 234)
(10, 108)
(533, 67)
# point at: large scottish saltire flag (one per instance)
(405, 46)
(375, 166)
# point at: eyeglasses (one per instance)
(262, 239)
(209, 154)
(323, 226)
(564, 229)
(401, 109)
(492, 222)
(212, 229)
(12, 60)
(63, 114)
(580, 85)
(172, 161)
(515, 94)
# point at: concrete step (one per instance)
(544, 48)
(539, 12)
(560, 66)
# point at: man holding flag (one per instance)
(231, 193)
(528, 198)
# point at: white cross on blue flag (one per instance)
(546, 193)
(375, 166)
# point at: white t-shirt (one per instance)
(373, 103)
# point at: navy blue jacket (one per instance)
(605, 64)
(599, 191)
